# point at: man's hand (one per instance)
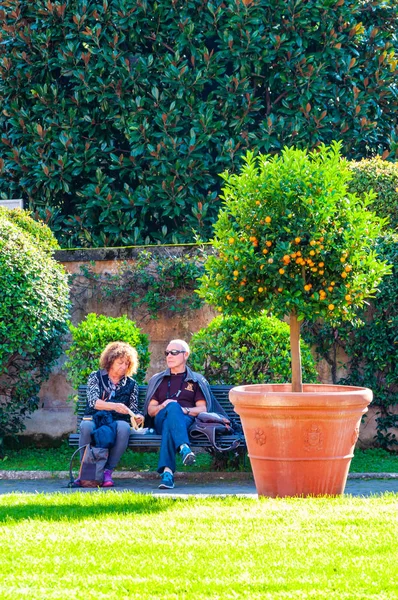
(166, 402)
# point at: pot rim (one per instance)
(309, 389)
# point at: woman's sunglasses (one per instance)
(173, 352)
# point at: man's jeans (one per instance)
(172, 425)
(115, 453)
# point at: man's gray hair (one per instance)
(182, 343)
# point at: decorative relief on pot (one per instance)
(259, 437)
(354, 436)
(313, 437)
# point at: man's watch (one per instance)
(188, 410)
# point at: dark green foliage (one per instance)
(235, 350)
(33, 313)
(91, 336)
(117, 117)
(382, 177)
(161, 282)
(373, 347)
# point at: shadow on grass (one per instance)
(80, 507)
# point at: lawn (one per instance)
(374, 460)
(124, 546)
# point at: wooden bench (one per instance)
(147, 441)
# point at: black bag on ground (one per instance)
(210, 425)
(91, 473)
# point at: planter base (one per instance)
(300, 444)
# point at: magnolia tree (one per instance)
(291, 240)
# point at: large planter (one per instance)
(300, 444)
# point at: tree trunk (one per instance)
(297, 378)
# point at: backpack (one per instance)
(211, 424)
(91, 473)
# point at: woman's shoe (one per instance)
(108, 481)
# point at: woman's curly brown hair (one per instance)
(116, 350)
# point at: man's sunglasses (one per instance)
(173, 352)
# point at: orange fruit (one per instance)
(348, 268)
(331, 307)
(344, 274)
(258, 202)
(280, 289)
(268, 219)
(265, 251)
(260, 289)
(241, 299)
(269, 244)
(342, 259)
(236, 273)
(297, 240)
(348, 298)
(281, 271)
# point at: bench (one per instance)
(144, 442)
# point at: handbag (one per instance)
(211, 424)
(91, 473)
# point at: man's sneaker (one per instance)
(76, 483)
(167, 482)
(188, 457)
(108, 481)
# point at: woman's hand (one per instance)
(120, 408)
(139, 418)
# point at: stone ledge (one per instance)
(190, 475)
(123, 253)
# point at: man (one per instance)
(174, 398)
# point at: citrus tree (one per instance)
(292, 240)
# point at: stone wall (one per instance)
(55, 418)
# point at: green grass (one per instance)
(374, 460)
(57, 459)
(116, 546)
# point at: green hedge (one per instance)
(89, 339)
(382, 177)
(34, 300)
(236, 350)
(117, 117)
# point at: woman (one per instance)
(112, 388)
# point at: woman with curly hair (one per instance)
(112, 388)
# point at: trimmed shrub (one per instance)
(117, 117)
(34, 301)
(91, 336)
(236, 350)
(381, 176)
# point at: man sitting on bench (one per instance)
(174, 397)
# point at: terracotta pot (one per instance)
(300, 444)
